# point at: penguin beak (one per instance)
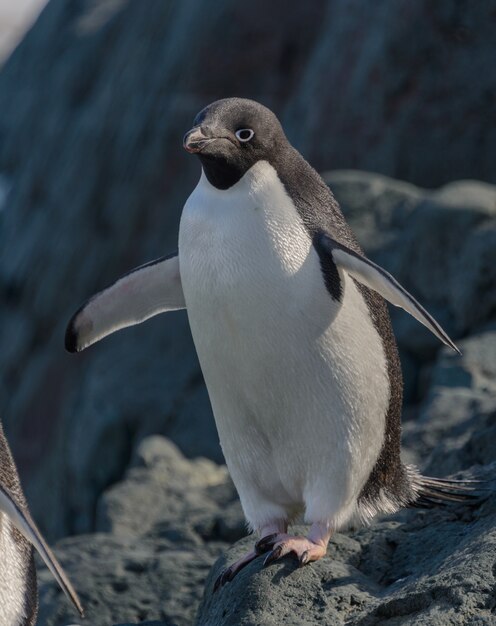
(194, 140)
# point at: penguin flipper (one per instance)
(24, 523)
(146, 291)
(375, 277)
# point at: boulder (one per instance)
(455, 426)
(160, 530)
(164, 487)
(122, 579)
(426, 567)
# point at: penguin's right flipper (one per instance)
(24, 523)
(375, 277)
(146, 291)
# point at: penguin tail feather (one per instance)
(432, 492)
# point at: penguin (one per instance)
(293, 335)
(18, 535)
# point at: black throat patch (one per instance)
(223, 174)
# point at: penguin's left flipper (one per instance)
(146, 291)
(24, 523)
(375, 277)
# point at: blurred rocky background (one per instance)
(395, 102)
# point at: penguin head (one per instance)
(230, 136)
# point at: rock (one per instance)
(456, 425)
(145, 624)
(165, 524)
(195, 416)
(389, 85)
(165, 488)
(380, 107)
(424, 567)
(124, 579)
(4, 192)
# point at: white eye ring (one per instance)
(244, 134)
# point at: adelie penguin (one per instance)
(18, 535)
(293, 335)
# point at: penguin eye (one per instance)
(244, 134)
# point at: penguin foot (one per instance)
(303, 548)
(277, 545)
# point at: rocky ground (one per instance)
(159, 531)
(166, 530)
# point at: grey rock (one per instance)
(145, 624)
(456, 424)
(166, 488)
(126, 579)
(397, 87)
(426, 567)
(4, 192)
(195, 416)
(162, 532)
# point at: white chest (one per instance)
(12, 582)
(252, 282)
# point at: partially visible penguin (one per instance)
(18, 535)
(293, 336)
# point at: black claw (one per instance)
(273, 556)
(265, 544)
(304, 558)
(225, 577)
